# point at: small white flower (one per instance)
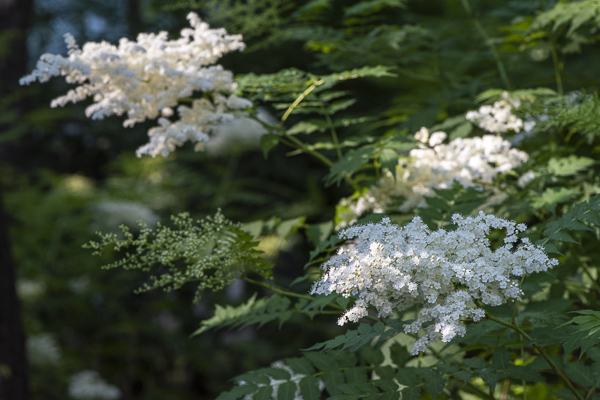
(452, 269)
(498, 118)
(468, 161)
(147, 79)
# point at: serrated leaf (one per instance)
(525, 373)
(475, 363)
(359, 388)
(237, 392)
(581, 373)
(385, 384)
(309, 388)
(333, 379)
(321, 361)
(399, 354)
(434, 381)
(463, 375)
(286, 391)
(299, 365)
(356, 374)
(569, 165)
(264, 393)
(385, 372)
(372, 355)
(349, 163)
(501, 359)
(408, 377)
(411, 393)
(307, 127)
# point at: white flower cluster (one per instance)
(435, 165)
(498, 118)
(275, 383)
(393, 268)
(239, 135)
(88, 385)
(147, 78)
(43, 350)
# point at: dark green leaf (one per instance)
(299, 365)
(286, 391)
(309, 388)
(333, 379)
(411, 393)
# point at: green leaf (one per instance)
(399, 354)
(307, 127)
(461, 131)
(581, 373)
(385, 372)
(434, 381)
(385, 384)
(411, 393)
(408, 377)
(501, 359)
(237, 392)
(569, 165)
(333, 379)
(356, 374)
(388, 159)
(368, 7)
(309, 388)
(525, 373)
(349, 163)
(475, 363)
(286, 391)
(321, 361)
(264, 393)
(359, 388)
(267, 142)
(300, 365)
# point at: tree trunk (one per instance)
(14, 381)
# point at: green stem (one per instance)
(557, 66)
(278, 290)
(540, 350)
(488, 42)
(336, 142)
(300, 98)
(589, 395)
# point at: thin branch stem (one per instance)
(300, 98)
(557, 66)
(336, 142)
(488, 42)
(277, 289)
(541, 351)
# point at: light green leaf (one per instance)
(267, 142)
(569, 165)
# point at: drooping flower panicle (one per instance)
(393, 268)
(147, 78)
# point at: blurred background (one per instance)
(85, 334)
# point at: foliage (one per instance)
(350, 86)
